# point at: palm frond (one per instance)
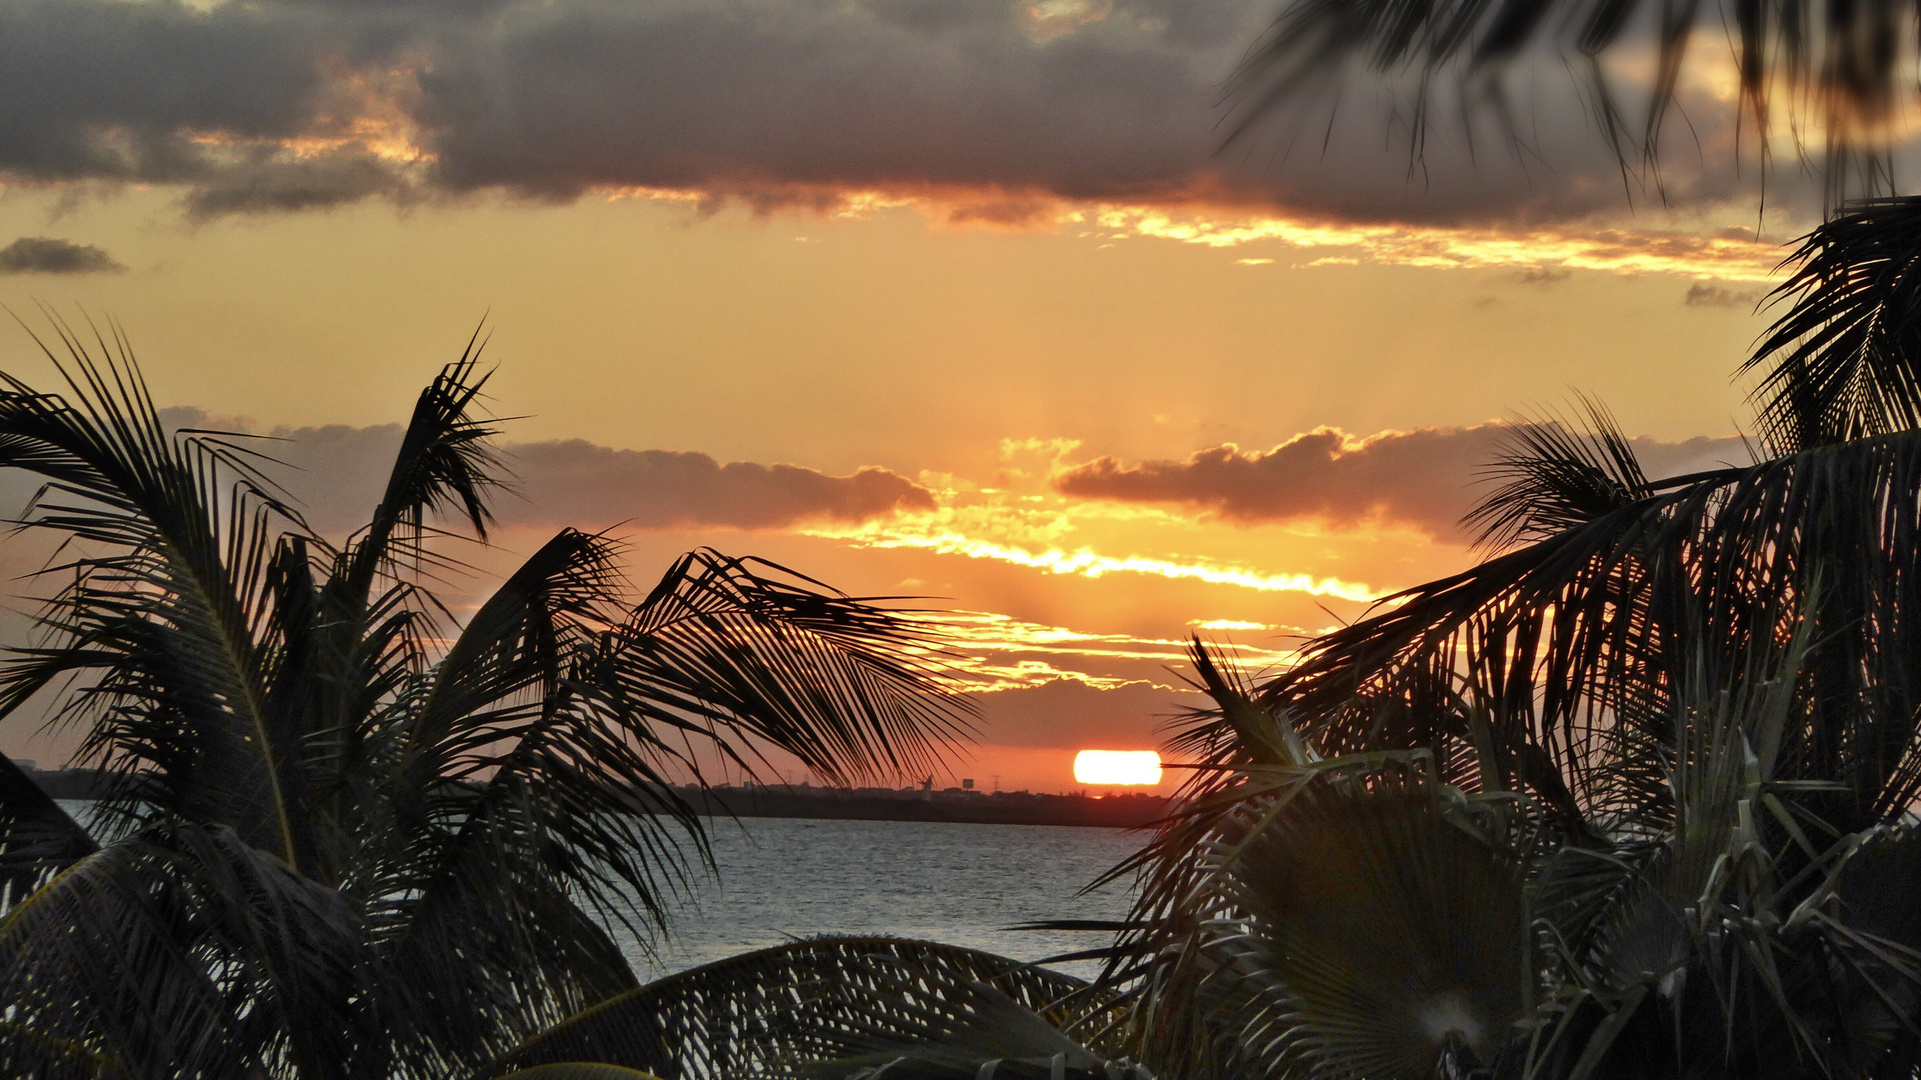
(170, 611)
(514, 796)
(776, 1010)
(38, 839)
(1552, 636)
(1842, 70)
(1844, 361)
(1393, 938)
(365, 628)
(1350, 917)
(1554, 476)
(221, 960)
(579, 1071)
(444, 465)
(737, 647)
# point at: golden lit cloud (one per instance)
(1728, 253)
(918, 532)
(1228, 624)
(993, 632)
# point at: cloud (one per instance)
(46, 255)
(577, 481)
(978, 107)
(98, 89)
(1425, 478)
(928, 533)
(1541, 275)
(988, 111)
(263, 181)
(1070, 714)
(338, 472)
(1705, 294)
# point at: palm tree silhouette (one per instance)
(344, 834)
(1633, 797)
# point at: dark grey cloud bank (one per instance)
(1427, 478)
(337, 474)
(991, 106)
(48, 255)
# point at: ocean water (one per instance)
(786, 878)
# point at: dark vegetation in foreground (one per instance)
(338, 835)
(1632, 798)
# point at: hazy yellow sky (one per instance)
(1105, 398)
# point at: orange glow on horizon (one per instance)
(1137, 767)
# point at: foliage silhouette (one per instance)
(345, 834)
(1829, 78)
(1630, 798)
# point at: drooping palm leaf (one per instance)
(1551, 636)
(1838, 71)
(166, 615)
(37, 838)
(840, 682)
(144, 953)
(578, 1070)
(796, 1006)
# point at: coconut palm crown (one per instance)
(344, 833)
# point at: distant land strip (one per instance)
(1117, 811)
(971, 807)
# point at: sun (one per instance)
(1117, 767)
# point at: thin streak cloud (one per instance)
(1089, 564)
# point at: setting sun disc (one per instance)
(1117, 767)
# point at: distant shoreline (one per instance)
(1117, 811)
(969, 807)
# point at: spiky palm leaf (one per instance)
(1303, 915)
(333, 843)
(1555, 475)
(1551, 637)
(1354, 916)
(1844, 360)
(37, 838)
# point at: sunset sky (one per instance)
(953, 298)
